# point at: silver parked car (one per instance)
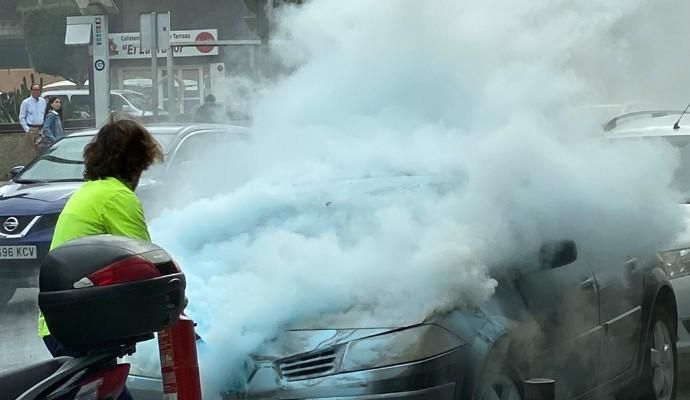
(596, 334)
(666, 125)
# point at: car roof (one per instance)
(651, 123)
(66, 91)
(86, 91)
(179, 130)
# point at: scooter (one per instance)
(100, 295)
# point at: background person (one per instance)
(52, 125)
(31, 115)
(209, 111)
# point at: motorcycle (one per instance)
(100, 295)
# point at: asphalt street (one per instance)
(20, 345)
(19, 341)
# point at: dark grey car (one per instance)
(593, 326)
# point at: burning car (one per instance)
(559, 313)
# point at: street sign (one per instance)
(163, 28)
(160, 36)
(78, 34)
(126, 45)
(154, 34)
(145, 29)
(93, 30)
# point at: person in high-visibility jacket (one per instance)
(106, 203)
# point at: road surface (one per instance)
(20, 345)
(19, 341)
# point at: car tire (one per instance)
(6, 294)
(659, 379)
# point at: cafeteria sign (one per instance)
(126, 45)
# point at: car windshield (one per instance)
(64, 161)
(138, 100)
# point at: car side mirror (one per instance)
(127, 109)
(14, 171)
(557, 254)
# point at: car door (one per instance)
(620, 282)
(564, 303)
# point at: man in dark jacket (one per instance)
(210, 111)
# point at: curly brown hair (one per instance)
(122, 149)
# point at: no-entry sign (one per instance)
(205, 37)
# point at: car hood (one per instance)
(35, 198)
(331, 330)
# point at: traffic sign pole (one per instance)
(154, 62)
(172, 109)
(92, 30)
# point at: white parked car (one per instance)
(122, 101)
(660, 125)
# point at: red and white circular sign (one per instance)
(204, 37)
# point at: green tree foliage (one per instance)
(44, 32)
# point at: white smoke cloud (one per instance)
(456, 115)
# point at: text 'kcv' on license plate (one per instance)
(17, 252)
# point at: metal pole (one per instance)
(252, 61)
(172, 107)
(154, 62)
(269, 17)
(540, 389)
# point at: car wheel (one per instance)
(6, 294)
(660, 374)
(662, 363)
(499, 387)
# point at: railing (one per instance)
(69, 125)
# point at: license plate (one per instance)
(18, 252)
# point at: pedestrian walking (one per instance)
(31, 115)
(52, 125)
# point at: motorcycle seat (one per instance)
(18, 380)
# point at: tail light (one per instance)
(104, 385)
(130, 269)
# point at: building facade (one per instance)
(198, 71)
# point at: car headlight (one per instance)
(676, 262)
(400, 347)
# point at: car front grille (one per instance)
(308, 365)
(47, 221)
(13, 226)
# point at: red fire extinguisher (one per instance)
(179, 364)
